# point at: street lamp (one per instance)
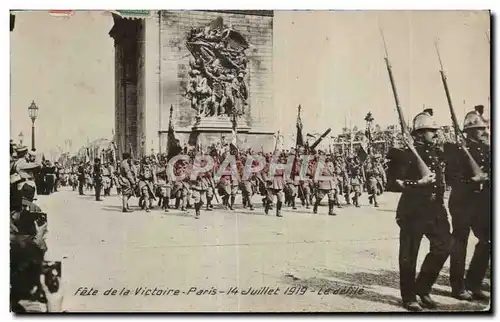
(21, 138)
(33, 113)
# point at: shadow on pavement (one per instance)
(444, 280)
(367, 281)
(368, 293)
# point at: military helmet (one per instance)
(425, 120)
(475, 119)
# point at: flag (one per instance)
(233, 146)
(173, 144)
(300, 138)
(364, 150)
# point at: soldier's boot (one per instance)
(355, 200)
(160, 202)
(233, 197)
(293, 203)
(375, 203)
(337, 201)
(307, 203)
(347, 197)
(177, 202)
(303, 202)
(183, 204)
(279, 204)
(266, 205)
(209, 204)
(149, 205)
(370, 199)
(197, 207)
(315, 208)
(244, 201)
(165, 204)
(125, 205)
(249, 201)
(331, 204)
(225, 202)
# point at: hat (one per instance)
(424, 120)
(21, 149)
(27, 193)
(32, 153)
(475, 119)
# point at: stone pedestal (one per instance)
(221, 124)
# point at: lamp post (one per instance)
(21, 138)
(33, 113)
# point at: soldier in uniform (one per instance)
(164, 189)
(181, 187)
(355, 181)
(208, 187)
(198, 190)
(470, 208)
(326, 187)
(247, 186)
(147, 180)
(127, 181)
(97, 178)
(276, 185)
(107, 179)
(304, 186)
(372, 184)
(225, 190)
(421, 212)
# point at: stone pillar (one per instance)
(151, 88)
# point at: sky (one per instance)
(330, 62)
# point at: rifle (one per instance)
(476, 170)
(318, 141)
(407, 138)
(211, 180)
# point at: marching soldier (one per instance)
(164, 189)
(97, 178)
(107, 181)
(81, 178)
(372, 184)
(421, 212)
(147, 180)
(127, 181)
(181, 187)
(354, 181)
(198, 189)
(247, 187)
(276, 185)
(326, 187)
(207, 182)
(304, 187)
(225, 191)
(470, 208)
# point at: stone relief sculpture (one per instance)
(217, 70)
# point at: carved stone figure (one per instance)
(217, 72)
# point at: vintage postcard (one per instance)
(250, 161)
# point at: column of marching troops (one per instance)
(148, 180)
(421, 209)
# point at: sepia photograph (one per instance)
(250, 161)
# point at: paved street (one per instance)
(103, 248)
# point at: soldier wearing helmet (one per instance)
(421, 212)
(469, 206)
